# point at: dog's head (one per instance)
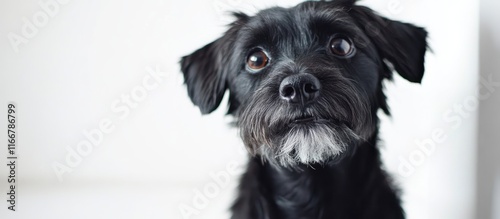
(305, 83)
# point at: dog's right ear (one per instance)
(206, 70)
(403, 45)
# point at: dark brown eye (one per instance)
(257, 60)
(341, 46)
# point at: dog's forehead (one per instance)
(302, 23)
(305, 12)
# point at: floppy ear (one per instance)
(205, 81)
(206, 70)
(402, 44)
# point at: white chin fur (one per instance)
(315, 144)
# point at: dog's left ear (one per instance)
(402, 44)
(206, 70)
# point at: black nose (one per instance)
(300, 88)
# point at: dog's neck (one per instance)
(297, 193)
(319, 190)
(291, 190)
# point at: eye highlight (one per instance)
(342, 46)
(257, 59)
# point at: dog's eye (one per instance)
(257, 59)
(342, 46)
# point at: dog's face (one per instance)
(305, 83)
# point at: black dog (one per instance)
(305, 85)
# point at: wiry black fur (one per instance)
(354, 188)
(350, 184)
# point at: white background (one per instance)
(67, 77)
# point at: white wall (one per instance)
(488, 171)
(77, 66)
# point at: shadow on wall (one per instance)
(488, 156)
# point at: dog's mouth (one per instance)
(306, 119)
(310, 120)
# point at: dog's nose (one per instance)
(300, 88)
